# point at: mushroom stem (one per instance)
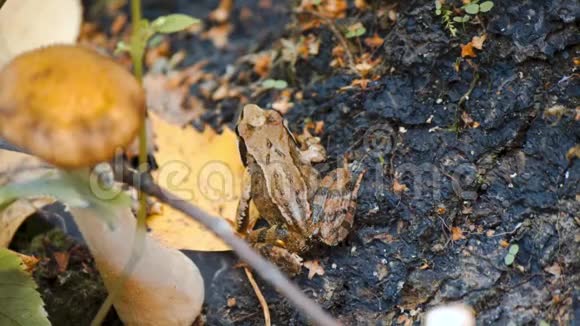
(165, 287)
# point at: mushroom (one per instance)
(69, 105)
(73, 107)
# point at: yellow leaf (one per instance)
(202, 168)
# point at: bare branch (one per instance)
(222, 229)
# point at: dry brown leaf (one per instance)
(375, 41)
(362, 83)
(203, 168)
(381, 271)
(477, 41)
(172, 102)
(456, 233)
(310, 45)
(384, 237)
(231, 302)
(361, 4)
(222, 12)
(467, 51)
(573, 152)
(314, 268)
(263, 64)
(503, 243)
(218, 35)
(398, 188)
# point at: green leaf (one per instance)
(356, 32)
(173, 23)
(461, 19)
(20, 303)
(438, 12)
(72, 189)
(514, 249)
(472, 8)
(437, 5)
(509, 259)
(274, 83)
(485, 6)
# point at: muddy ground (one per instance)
(473, 189)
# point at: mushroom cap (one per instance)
(69, 105)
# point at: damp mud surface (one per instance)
(462, 162)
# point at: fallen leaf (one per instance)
(222, 12)
(173, 102)
(381, 271)
(314, 268)
(573, 152)
(361, 4)
(202, 168)
(398, 188)
(477, 41)
(231, 302)
(384, 237)
(456, 233)
(218, 35)
(375, 41)
(503, 243)
(309, 46)
(467, 51)
(263, 64)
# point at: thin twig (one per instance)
(260, 296)
(223, 230)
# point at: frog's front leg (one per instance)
(334, 205)
(243, 210)
(280, 246)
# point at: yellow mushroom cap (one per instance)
(69, 105)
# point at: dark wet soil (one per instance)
(472, 191)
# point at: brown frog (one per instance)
(300, 208)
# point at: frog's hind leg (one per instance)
(289, 262)
(280, 237)
(280, 247)
(334, 205)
